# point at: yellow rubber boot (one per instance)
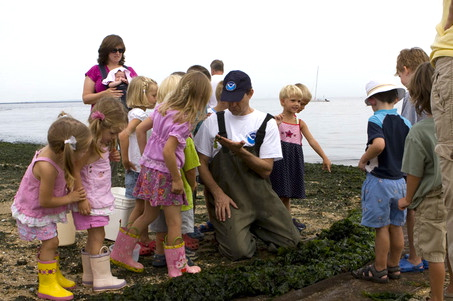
(64, 282)
(49, 288)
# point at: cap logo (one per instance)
(230, 86)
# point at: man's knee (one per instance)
(238, 250)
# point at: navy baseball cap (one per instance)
(235, 84)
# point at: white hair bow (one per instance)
(72, 142)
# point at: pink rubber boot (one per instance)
(103, 280)
(122, 251)
(177, 261)
(87, 276)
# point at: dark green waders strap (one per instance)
(259, 134)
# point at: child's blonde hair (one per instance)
(289, 91)
(190, 98)
(306, 94)
(68, 136)
(168, 85)
(107, 113)
(218, 90)
(137, 92)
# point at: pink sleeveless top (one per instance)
(290, 132)
(97, 179)
(26, 207)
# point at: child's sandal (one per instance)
(147, 248)
(394, 272)
(191, 243)
(370, 273)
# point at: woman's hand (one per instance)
(113, 92)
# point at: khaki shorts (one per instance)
(442, 109)
(430, 228)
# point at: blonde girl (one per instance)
(108, 117)
(44, 194)
(306, 96)
(141, 95)
(287, 176)
(159, 182)
(188, 174)
(167, 86)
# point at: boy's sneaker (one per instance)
(196, 234)
(299, 226)
(206, 227)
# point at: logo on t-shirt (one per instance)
(251, 138)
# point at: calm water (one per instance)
(339, 125)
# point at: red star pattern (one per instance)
(289, 134)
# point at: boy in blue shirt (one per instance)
(384, 184)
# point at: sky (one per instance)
(334, 47)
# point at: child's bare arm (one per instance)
(141, 131)
(412, 185)
(123, 138)
(191, 176)
(326, 164)
(374, 149)
(47, 175)
(169, 153)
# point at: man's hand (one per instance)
(222, 207)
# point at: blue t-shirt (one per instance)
(393, 128)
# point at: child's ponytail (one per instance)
(68, 136)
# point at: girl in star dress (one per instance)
(287, 176)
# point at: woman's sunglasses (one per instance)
(120, 50)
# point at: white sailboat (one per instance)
(316, 88)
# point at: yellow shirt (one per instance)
(443, 43)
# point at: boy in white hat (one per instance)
(384, 184)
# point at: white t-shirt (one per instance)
(134, 151)
(240, 128)
(215, 79)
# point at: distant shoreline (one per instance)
(38, 101)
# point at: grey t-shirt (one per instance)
(408, 110)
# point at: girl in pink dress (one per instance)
(159, 182)
(108, 118)
(42, 200)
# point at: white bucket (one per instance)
(66, 232)
(123, 208)
(135, 253)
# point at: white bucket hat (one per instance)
(374, 87)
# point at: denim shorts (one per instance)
(380, 202)
(129, 181)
